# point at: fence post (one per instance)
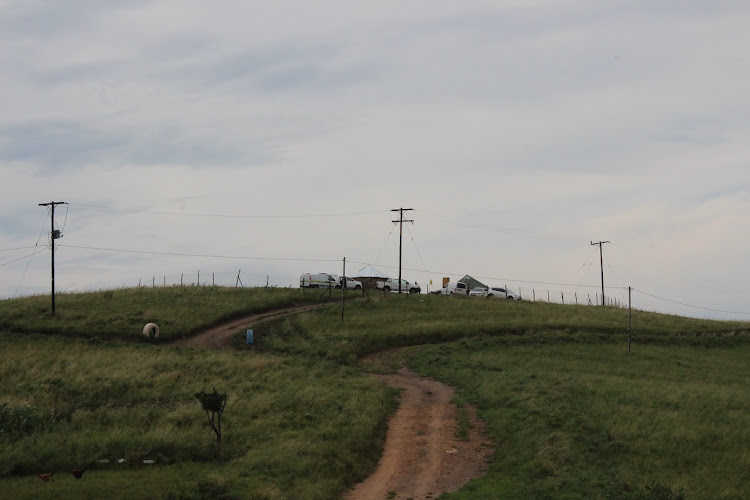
(576, 295)
(153, 282)
(548, 296)
(343, 288)
(199, 277)
(630, 318)
(213, 279)
(533, 295)
(139, 282)
(562, 297)
(180, 279)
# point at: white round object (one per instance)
(151, 330)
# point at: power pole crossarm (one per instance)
(53, 236)
(601, 263)
(400, 237)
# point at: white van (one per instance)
(319, 280)
(453, 287)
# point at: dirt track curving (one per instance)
(422, 457)
(220, 337)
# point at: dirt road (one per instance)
(220, 337)
(422, 457)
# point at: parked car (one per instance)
(478, 292)
(351, 284)
(502, 293)
(391, 285)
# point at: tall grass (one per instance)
(573, 414)
(382, 323)
(594, 421)
(292, 428)
(122, 313)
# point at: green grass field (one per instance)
(121, 314)
(573, 414)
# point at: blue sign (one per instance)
(249, 337)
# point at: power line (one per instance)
(178, 254)
(494, 278)
(18, 248)
(601, 261)
(419, 254)
(54, 234)
(227, 216)
(24, 257)
(689, 305)
(26, 269)
(400, 222)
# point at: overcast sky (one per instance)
(276, 137)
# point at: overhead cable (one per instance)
(484, 277)
(179, 254)
(690, 305)
(228, 216)
(17, 248)
(24, 257)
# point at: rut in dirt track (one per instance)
(220, 337)
(422, 458)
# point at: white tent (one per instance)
(369, 272)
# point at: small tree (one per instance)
(213, 404)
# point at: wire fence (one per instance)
(237, 278)
(535, 291)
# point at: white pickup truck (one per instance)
(391, 285)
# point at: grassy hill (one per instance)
(574, 415)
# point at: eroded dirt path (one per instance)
(422, 457)
(220, 337)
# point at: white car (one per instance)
(351, 284)
(478, 292)
(502, 293)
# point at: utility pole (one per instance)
(400, 238)
(54, 234)
(601, 263)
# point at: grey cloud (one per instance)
(52, 145)
(272, 69)
(696, 130)
(46, 19)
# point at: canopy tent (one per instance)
(369, 272)
(369, 276)
(472, 282)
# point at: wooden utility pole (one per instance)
(54, 234)
(400, 237)
(601, 262)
